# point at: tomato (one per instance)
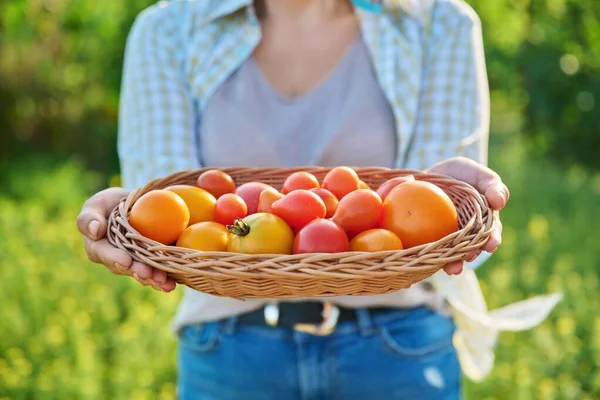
(200, 202)
(216, 182)
(229, 207)
(299, 180)
(359, 211)
(363, 185)
(376, 240)
(340, 181)
(267, 198)
(331, 202)
(321, 236)
(205, 236)
(419, 212)
(260, 233)
(387, 186)
(160, 215)
(250, 192)
(299, 207)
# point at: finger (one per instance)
(101, 251)
(159, 276)
(163, 282)
(490, 184)
(495, 238)
(143, 282)
(143, 271)
(472, 256)
(454, 268)
(497, 194)
(92, 219)
(168, 286)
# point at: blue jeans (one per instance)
(401, 354)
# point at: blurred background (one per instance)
(70, 330)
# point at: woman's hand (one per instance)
(488, 183)
(92, 223)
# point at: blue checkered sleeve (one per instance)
(157, 116)
(453, 117)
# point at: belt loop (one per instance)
(364, 321)
(228, 325)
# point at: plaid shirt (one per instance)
(427, 55)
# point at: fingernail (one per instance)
(121, 267)
(93, 228)
(165, 290)
(137, 277)
(502, 194)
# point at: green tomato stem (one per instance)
(239, 228)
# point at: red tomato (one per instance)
(267, 198)
(298, 208)
(229, 207)
(321, 236)
(299, 180)
(387, 186)
(331, 202)
(216, 182)
(359, 211)
(340, 181)
(250, 192)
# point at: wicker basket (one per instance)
(306, 275)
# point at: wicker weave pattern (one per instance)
(306, 275)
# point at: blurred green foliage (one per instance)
(60, 72)
(69, 329)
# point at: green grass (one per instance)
(69, 329)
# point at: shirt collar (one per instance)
(416, 8)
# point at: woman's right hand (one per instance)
(93, 222)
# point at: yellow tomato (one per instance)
(205, 236)
(363, 185)
(200, 202)
(375, 240)
(261, 233)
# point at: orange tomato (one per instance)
(331, 202)
(229, 207)
(419, 212)
(267, 198)
(340, 181)
(216, 182)
(160, 215)
(358, 211)
(250, 192)
(387, 186)
(376, 240)
(299, 207)
(299, 180)
(200, 202)
(205, 236)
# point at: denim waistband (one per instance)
(365, 324)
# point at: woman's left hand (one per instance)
(488, 183)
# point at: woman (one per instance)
(304, 82)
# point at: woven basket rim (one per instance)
(249, 275)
